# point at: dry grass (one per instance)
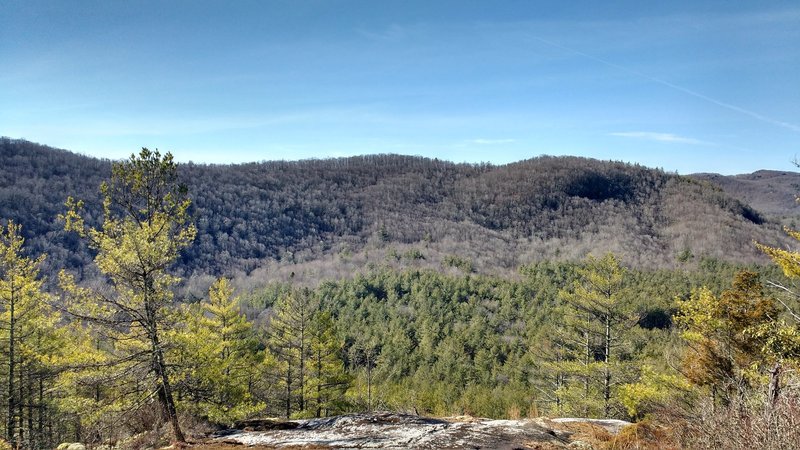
(587, 432)
(643, 435)
(640, 436)
(744, 426)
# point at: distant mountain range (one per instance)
(482, 218)
(771, 192)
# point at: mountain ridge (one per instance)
(495, 218)
(772, 192)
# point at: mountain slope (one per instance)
(494, 217)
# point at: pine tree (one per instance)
(328, 380)
(597, 311)
(220, 357)
(290, 343)
(308, 366)
(146, 224)
(87, 387)
(550, 349)
(30, 341)
(364, 353)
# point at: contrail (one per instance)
(738, 109)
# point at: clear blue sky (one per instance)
(683, 85)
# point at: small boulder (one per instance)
(71, 446)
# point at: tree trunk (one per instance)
(165, 391)
(289, 390)
(31, 435)
(713, 399)
(40, 416)
(587, 361)
(302, 375)
(607, 374)
(774, 386)
(21, 408)
(369, 381)
(559, 379)
(319, 383)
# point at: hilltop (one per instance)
(430, 212)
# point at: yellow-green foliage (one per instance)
(19, 274)
(597, 314)
(219, 357)
(31, 342)
(787, 260)
(145, 225)
(327, 379)
(83, 382)
(20, 284)
(781, 339)
(652, 388)
(599, 287)
(727, 334)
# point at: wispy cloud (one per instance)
(491, 141)
(660, 137)
(755, 115)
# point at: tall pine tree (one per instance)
(290, 342)
(598, 312)
(327, 379)
(145, 226)
(220, 357)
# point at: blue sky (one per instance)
(687, 86)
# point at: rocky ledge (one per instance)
(390, 430)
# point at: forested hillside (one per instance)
(491, 218)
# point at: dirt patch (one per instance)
(265, 425)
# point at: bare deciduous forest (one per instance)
(498, 217)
